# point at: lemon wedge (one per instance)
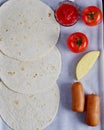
(86, 63)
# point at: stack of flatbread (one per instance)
(30, 64)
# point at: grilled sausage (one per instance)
(93, 110)
(78, 97)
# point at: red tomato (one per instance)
(92, 15)
(67, 13)
(77, 42)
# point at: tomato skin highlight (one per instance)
(77, 42)
(67, 13)
(92, 16)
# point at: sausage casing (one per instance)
(93, 110)
(78, 97)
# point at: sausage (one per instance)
(78, 97)
(93, 110)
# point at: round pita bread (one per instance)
(28, 29)
(24, 112)
(30, 77)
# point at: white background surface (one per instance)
(93, 81)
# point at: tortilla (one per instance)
(28, 112)
(30, 77)
(28, 29)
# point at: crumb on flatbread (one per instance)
(11, 73)
(6, 30)
(53, 67)
(49, 14)
(16, 102)
(22, 69)
(35, 75)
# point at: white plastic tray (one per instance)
(93, 82)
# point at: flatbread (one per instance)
(30, 77)
(24, 112)
(28, 29)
